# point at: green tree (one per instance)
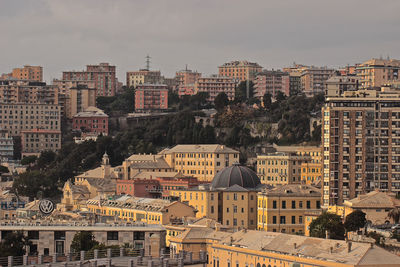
(394, 214)
(241, 91)
(279, 96)
(83, 240)
(267, 101)
(354, 221)
(28, 160)
(221, 101)
(45, 158)
(327, 222)
(3, 169)
(14, 244)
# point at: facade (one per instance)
(282, 209)
(103, 75)
(200, 161)
(313, 80)
(378, 72)
(53, 239)
(280, 168)
(24, 91)
(294, 83)
(240, 70)
(231, 198)
(144, 210)
(314, 152)
(91, 121)
(6, 146)
(185, 80)
(271, 82)
(214, 85)
(311, 173)
(31, 73)
(142, 163)
(15, 118)
(135, 78)
(336, 85)
(361, 139)
(36, 141)
(151, 97)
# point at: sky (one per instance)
(63, 35)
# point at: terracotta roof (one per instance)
(198, 149)
(295, 190)
(102, 185)
(374, 199)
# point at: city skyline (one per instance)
(61, 36)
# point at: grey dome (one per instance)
(235, 175)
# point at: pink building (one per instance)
(214, 85)
(103, 75)
(185, 80)
(151, 97)
(91, 121)
(271, 82)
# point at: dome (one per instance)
(235, 175)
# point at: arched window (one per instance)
(258, 265)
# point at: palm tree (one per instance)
(395, 214)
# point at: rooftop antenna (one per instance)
(148, 62)
(186, 68)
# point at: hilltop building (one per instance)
(241, 70)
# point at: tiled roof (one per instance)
(293, 190)
(214, 148)
(374, 199)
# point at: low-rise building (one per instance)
(282, 209)
(272, 82)
(214, 85)
(336, 85)
(280, 168)
(91, 121)
(231, 198)
(36, 141)
(32, 73)
(151, 98)
(135, 78)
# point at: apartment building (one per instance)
(200, 161)
(311, 173)
(313, 80)
(283, 208)
(230, 199)
(135, 78)
(280, 168)
(151, 98)
(336, 85)
(91, 121)
(24, 91)
(361, 139)
(240, 70)
(78, 95)
(36, 141)
(103, 75)
(378, 72)
(31, 73)
(6, 145)
(186, 80)
(18, 117)
(294, 83)
(272, 82)
(214, 85)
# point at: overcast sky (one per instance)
(68, 34)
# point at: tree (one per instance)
(355, 221)
(279, 96)
(241, 91)
(28, 160)
(83, 241)
(221, 101)
(14, 244)
(267, 101)
(46, 158)
(3, 169)
(327, 222)
(394, 214)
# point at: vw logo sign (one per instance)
(46, 206)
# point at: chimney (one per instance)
(295, 246)
(349, 247)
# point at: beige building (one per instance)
(378, 72)
(215, 85)
(240, 70)
(36, 141)
(200, 161)
(314, 152)
(135, 78)
(139, 163)
(336, 85)
(280, 168)
(23, 117)
(231, 198)
(32, 73)
(282, 209)
(313, 80)
(361, 139)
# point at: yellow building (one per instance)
(311, 173)
(260, 249)
(282, 209)
(280, 167)
(315, 152)
(138, 163)
(230, 199)
(146, 210)
(135, 78)
(200, 161)
(241, 70)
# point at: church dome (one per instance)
(235, 175)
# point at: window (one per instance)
(308, 204)
(293, 204)
(235, 196)
(283, 204)
(33, 235)
(318, 204)
(300, 219)
(234, 209)
(59, 235)
(274, 219)
(300, 204)
(274, 204)
(283, 220)
(138, 235)
(212, 209)
(293, 219)
(112, 235)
